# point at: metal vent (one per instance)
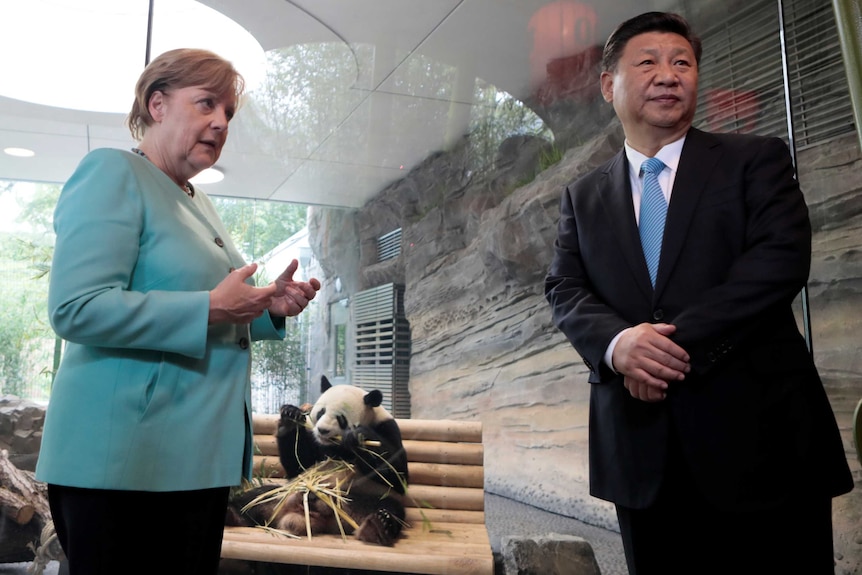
(389, 245)
(383, 346)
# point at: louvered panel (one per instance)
(383, 346)
(389, 245)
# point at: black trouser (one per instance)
(683, 534)
(105, 532)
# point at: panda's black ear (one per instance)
(324, 383)
(373, 398)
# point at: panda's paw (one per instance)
(292, 416)
(350, 440)
(380, 528)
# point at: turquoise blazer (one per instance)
(148, 396)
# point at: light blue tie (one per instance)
(652, 216)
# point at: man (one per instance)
(710, 429)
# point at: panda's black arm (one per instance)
(297, 449)
(381, 455)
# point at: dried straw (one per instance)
(323, 480)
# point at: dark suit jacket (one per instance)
(753, 418)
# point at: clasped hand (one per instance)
(649, 359)
(235, 301)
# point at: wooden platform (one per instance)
(446, 509)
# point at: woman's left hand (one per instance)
(291, 296)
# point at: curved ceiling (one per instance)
(374, 87)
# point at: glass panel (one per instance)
(458, 123)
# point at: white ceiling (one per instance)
(374, 128)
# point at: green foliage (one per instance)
(278, 367)
(549, 157)
(26, 340)
(257, 227)
(501, 117)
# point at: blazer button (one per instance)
(219, 242)
(658, 314)
(243, 343)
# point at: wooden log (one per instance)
(434, 497)
(441, 430)
(268, 467)
(23, 484)
(24, 511)
(428, 451)
(444, 452)
(420, 429)
(16, 507)
(446, 475)
(429, 552)
(419, 516)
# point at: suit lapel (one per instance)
(700, 154)
(616, 193)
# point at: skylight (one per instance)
(102, 48)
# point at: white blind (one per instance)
(741, 73)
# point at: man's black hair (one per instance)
(646, 22)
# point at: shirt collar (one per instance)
(669, 154)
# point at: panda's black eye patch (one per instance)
(319, 414)
(342, 422)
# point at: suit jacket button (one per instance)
(243, 343)
(219, 242)
(658, 314)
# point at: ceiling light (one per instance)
(104, 48)
(20, 152)
(208, 176)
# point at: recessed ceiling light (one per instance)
(208, 176)
(20, 152)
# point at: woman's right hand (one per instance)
(235, 301)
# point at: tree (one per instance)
(279, 371)
(257, 227)
(27, 343)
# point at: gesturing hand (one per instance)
(290, 297)
(235, 301)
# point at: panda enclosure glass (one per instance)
(758, 60)
(742, 89)
(346, 141)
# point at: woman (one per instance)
(149, 420)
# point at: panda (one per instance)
(346, 424)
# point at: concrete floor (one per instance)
(504, 517)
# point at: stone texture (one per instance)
(21, 430)
(551, 554)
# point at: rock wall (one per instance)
(21, 424)
(474, 254)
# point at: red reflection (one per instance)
(560, 30)
(731, 110)
(564, 52)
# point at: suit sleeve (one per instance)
(99, 220)
(769, 271)
(583, 317)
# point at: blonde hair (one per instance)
(181, 68)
